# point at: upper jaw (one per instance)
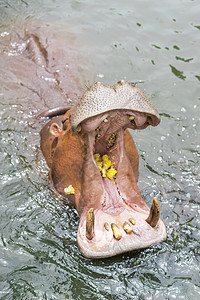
(99, 99)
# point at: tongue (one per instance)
(113, 203)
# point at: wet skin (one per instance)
(113, 215)
(47, 72)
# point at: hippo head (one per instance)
(113, 215)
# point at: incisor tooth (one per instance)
(116, 232)
(90, 223)
(127, 227)
(106, 226)
(132, 221)
(105, 120)
(154, 213)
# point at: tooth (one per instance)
(111, 140)
(105, 120)
(154, 213)
(127, 227)
(90, 223)
(78, 128)
(149, 120)
(132, 221)
(131, 117)
(116, 232)
(106, 226)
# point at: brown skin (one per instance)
(48, 72)
(65, 153)
(105, 206)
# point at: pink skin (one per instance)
(113, 203)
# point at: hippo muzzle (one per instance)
(113, 215)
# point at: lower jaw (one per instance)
(104, 244)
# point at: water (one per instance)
(156, 45)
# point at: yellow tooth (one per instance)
(127, 227)
(149, 120)
(116, 232)
(78, 128)
(132, 221)
(105, 120)
(90, 223)
(131, 117)
(154, 214)
(106, 226)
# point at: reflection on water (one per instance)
(154, 45)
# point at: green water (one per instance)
(156, 45)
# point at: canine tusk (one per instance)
(90, 223)
(154, 213)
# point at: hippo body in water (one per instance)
(91, 155)
(93, 162)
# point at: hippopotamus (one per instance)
(92, 158)
(93, 161)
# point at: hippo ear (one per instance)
(55, 129)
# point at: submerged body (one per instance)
(94, 153)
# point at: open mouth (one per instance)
(115, 218)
